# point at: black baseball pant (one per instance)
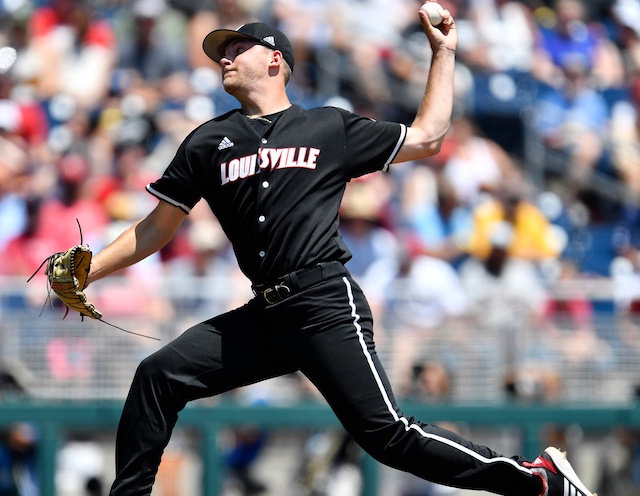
(326, 333)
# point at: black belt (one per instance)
(292, 283)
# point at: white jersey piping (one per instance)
(159, 195)
(394, 414)
(403, 134)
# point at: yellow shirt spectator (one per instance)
(513, 224)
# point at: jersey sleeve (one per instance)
(179, 184)
(371, 145)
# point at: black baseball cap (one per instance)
(216, 41)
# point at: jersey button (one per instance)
(262, 218)
(264, 140)
(265, 184)
(262, 254)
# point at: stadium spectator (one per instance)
(474, 163)
(625, 158)
(499, 36)
(21, 114)
(571, 122)
(29, 248)
(23, 133)
(436, 196)
(311, 25)
(509, 221)
(568, 35)
(121, 191)
(13, 211)
(366, 33)
(535, 381)
(73, 52)
(154, 46)
(18, 461)
(618, 462)
(626, 35)
(72, 200)
(625, 141)
(437, 227)
(431, 382)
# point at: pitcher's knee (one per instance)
(388, 443)
(151, 368)
(156, 373)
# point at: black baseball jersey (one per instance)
(277, 193)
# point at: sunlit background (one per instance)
(503, 272)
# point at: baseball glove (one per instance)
(67, 273)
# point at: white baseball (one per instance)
(435, 12)
(8, 56)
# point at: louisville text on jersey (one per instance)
(273, 158)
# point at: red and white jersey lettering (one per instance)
(272, 158)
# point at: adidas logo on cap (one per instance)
(215, 42)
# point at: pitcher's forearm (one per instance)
(434, 113)
(126, 250)
(137, 242)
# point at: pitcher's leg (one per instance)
(208, 359)
(343, 364)
(144, 430)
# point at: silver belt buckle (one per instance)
(276, 294)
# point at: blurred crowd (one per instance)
(537, 186)
(537, 183)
